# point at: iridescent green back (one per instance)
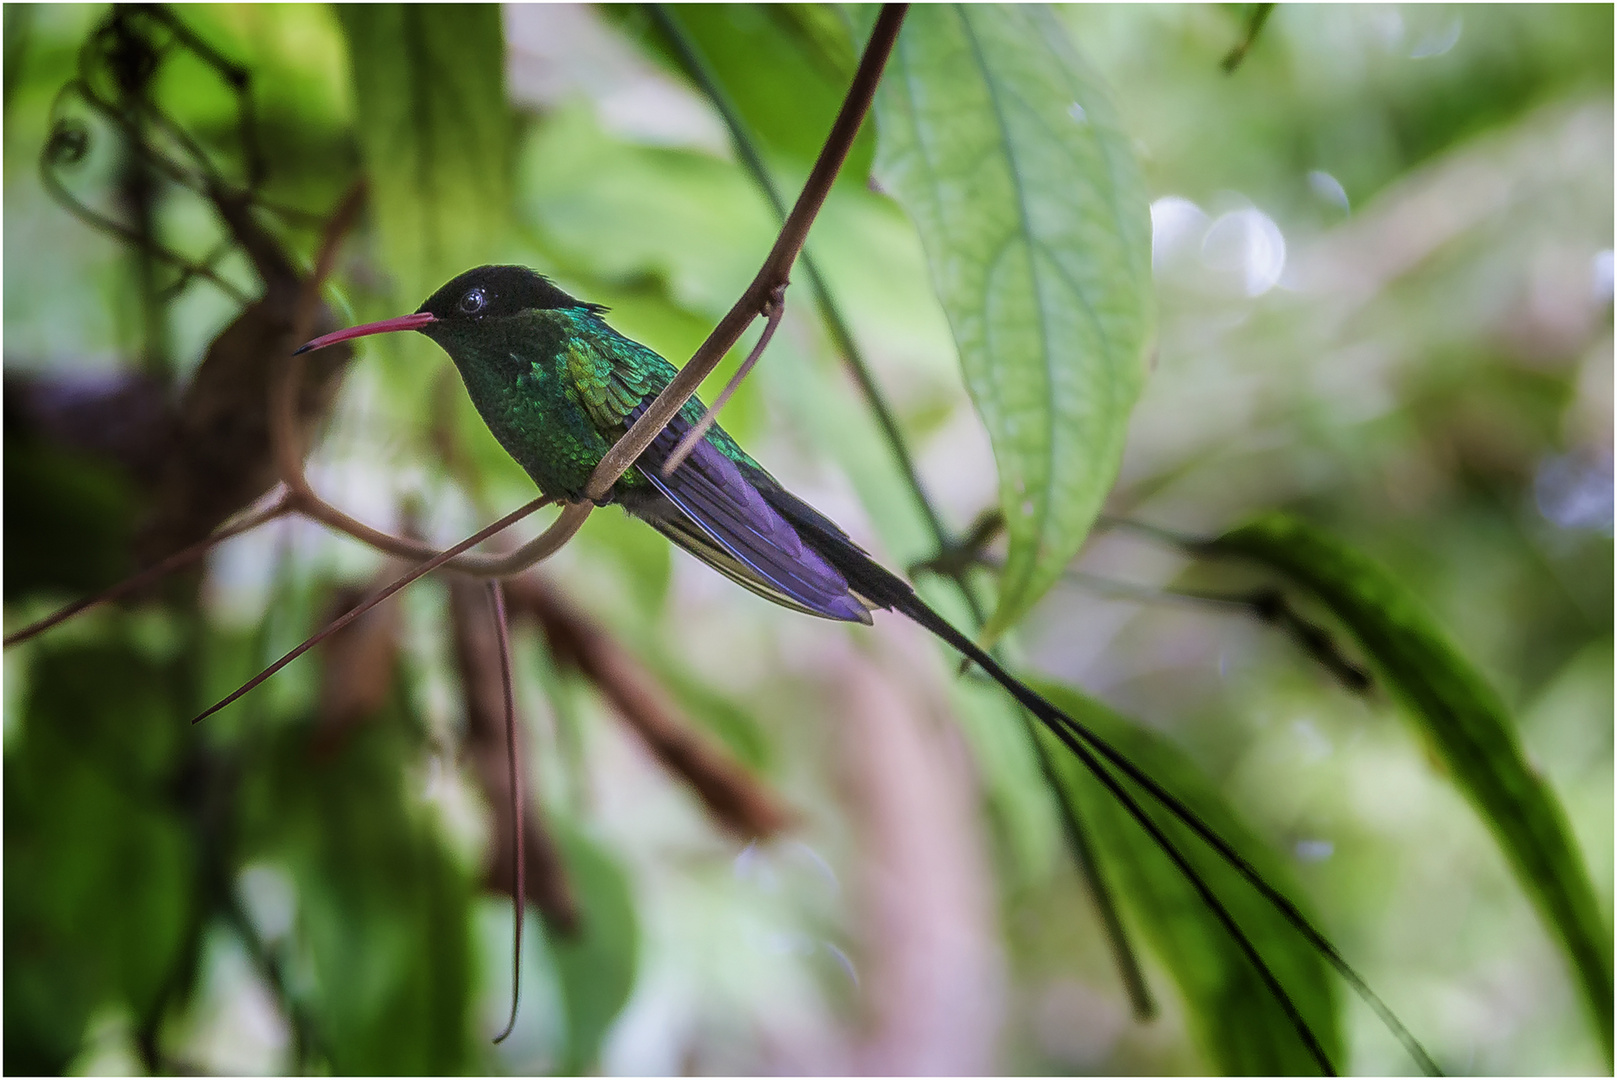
(556, 387)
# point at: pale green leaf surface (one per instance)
(1237, 1021)
(1004, 150)
(1468, 725)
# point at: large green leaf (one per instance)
(1467, 723)
(434, 129)
(1004, 150)
(1236, 1019)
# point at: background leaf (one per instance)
(1237, 1020)
(383, 909)
(1468, 725)
(434, 133)
(98, 863)
(596, 965)
(786, 67)
(1004, 149)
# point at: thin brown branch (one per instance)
(730, 792)
(519, 884)
(767, 288)
(1268, 604)
(155, 572)
(425, 568)
(955, 559)
(483, 697)
(772, 311)
(776, 271)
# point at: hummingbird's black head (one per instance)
(488, 292)
(491, 292)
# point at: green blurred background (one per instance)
(1383, 251)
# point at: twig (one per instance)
(65, 134)
(1254, 26)
(776, 271)
(772, 277)
(519, 886)
(1268, 604)
(135, 583)
(773, 311)
(304, 1040)
(842, 338)
(425, 568)
(957, 558)
(1194, 545)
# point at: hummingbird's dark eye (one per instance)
(473, 302)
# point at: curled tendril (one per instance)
(116, 67)
(68, 144)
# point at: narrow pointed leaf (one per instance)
(1237, 1022)
(1466, 722)
(1004, 150)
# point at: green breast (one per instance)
(556, 387)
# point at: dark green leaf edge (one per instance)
(1235, 1019)
(1468, 725)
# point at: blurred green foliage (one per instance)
(1468, 725)
(1382, 264)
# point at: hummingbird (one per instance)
(558, 386)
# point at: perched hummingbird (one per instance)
(557, 386)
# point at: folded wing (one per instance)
(711, 508)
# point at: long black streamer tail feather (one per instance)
(1086, 745)
(880, 588)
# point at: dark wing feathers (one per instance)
(874, 584)
(715, 511)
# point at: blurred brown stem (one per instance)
(740, 802)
